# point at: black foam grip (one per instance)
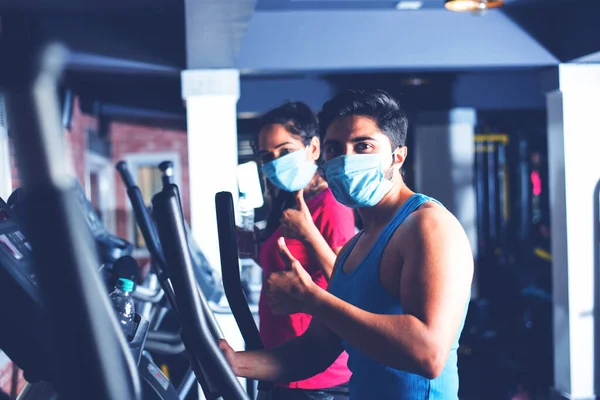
(230, 270)
(125, 174)
(148, 229)
(171, 229)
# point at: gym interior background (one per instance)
(505, 101)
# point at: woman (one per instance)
(315, 227)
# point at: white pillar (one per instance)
(211, 97)
(573, 143)
(444, 160)
(5, 174)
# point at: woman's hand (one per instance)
(290, 291)
(298, 223)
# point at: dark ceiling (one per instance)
(153, 31)
(295, 5)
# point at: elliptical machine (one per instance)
(64, 337)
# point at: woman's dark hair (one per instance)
(378, 105)
(299, 120)
(296, 117)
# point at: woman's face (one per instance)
(275, 141)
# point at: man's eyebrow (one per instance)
(362, 139)
(353, 140)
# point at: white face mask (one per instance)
(291, 172)
(358, 180)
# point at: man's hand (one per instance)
(298, 223)
(228, 352)
(290, 291)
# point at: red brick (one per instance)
(126, 138)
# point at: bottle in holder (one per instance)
(246, 213)
(246, 239)
(122, 303)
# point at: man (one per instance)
(399, 292)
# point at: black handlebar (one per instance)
(90, 353)
(230, 269)
(171, 229)
(144, 221)
(125, 174)
(160, 265)
(165, 165)
(166, 168)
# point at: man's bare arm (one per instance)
(435, 284)
(297, 359)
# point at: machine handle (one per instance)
(125, 174)
(230, 269)
(166, 168)
(83, 329)
(144, 221)
(172, 232)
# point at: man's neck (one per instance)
(373, 218)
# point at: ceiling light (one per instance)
(248, 115)
(415, 81)
(472, 5)
(409, 5)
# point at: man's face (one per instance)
(359, 135)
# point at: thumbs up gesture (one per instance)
(298, 223)
(290, 291)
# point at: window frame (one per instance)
(103, 167)
(5, 167)
(134, 162)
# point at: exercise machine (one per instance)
(65, 337)
(109, 247)
(199, 332)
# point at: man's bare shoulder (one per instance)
(433, 221)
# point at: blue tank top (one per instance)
(362, 288)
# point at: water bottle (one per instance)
(123, 305)
(246, 213)
(246, 241)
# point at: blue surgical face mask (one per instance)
(291, 172)
(358, 180)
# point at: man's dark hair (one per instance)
(377, 105)
(296, 117)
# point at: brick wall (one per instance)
(9, 372)
(127, 139)
(75, 140)
(14, 171)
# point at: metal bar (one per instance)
(230, 270)
(186, 384)
(172, 233)
(83, 326)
